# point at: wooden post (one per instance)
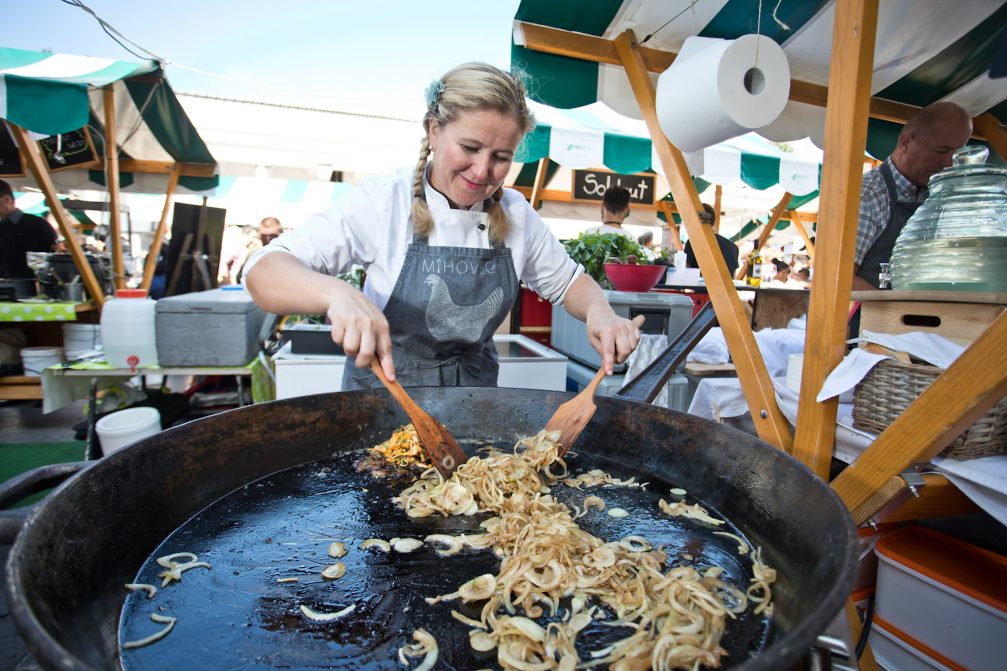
(40, 171)
(799, 225)
(770, 423)
(957, 398)
(155, 247)
(112, 177)
(536, 191)
(774, 219)
(995, 134)
(675, 237)
(850, 74)
(718, 194)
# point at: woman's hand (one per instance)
(612, 336)
(360, 328)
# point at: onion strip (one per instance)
(166, 620)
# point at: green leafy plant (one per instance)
(592, 250)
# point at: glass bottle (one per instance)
(754, 276)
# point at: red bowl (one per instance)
(628, 277)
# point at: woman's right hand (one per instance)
(360, 328)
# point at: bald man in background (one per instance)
(890, 193)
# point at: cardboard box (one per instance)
(219, 327)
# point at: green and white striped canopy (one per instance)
(592, 136)
(926, 51)
(50, 94)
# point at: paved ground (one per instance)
(24, 422)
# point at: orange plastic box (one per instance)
(949, 595)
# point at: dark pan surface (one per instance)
(281, 527)
(95, 532)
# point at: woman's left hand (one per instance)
(612, 336)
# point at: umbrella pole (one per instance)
(155, 247)
(112, 181)
(40, 171)
(718, 195)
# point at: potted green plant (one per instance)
(614, 261)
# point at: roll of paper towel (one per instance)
(717, 89)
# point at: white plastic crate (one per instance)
(949, 595)
(893, 653)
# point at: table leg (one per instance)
(241, 390)
(90, 450)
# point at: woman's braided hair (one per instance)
(469, 87)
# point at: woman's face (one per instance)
(472, 155)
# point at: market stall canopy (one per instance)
(923, 53)
(55, 94)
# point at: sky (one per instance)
(355, 55)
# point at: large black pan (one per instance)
(94, 533)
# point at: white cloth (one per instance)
(605, 228)
(776, 346)
(855, 366)
(370, 226)
(711, 349)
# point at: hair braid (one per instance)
(423, 222)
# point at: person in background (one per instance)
(20, 233)
(803, 275)
(890, 193)
(443, 245)
(234, 262)
(646, 241)
(728, 249)
(614, 210)
(781, 271)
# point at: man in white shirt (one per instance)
(614, 210)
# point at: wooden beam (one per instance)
(40, 170)
(718, 195)
(853, 37)
(155, 247)
(774, 219)
(676, 239)
(957, 398)
(599, 50)
(112, 179)
(770, 423)
(994, 133)
(804, 217)
(938, 497)
(799, 225)
(536, 192)
(166, 168)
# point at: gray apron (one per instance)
(899, 213)
(445, 307)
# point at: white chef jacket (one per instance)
(370, 226)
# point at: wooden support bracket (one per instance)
(770, 423)
(39, 169)
(112, 178)
(150, 265)
(536, 192)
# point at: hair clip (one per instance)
(434, 93)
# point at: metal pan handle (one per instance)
(26, 484)
(647, 385)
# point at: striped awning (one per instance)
(926, 51)
(50, 94)
(594, 135)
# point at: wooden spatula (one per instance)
(571, 417)
(436, 441)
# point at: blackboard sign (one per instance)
(592, 184)
(69, 150)
(10, 156)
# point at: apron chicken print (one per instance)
(446, 320)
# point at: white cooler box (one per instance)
(219, 327)
(664, 313)
(524, 364)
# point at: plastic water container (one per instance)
(79, 339)
(34, 360)
(127, 329)
(125, 427)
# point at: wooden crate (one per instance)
(959, 316)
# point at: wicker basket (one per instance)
(892, 385)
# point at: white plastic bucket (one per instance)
(125, 427)
(127, 330)
(34, 360)
(80, 339)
